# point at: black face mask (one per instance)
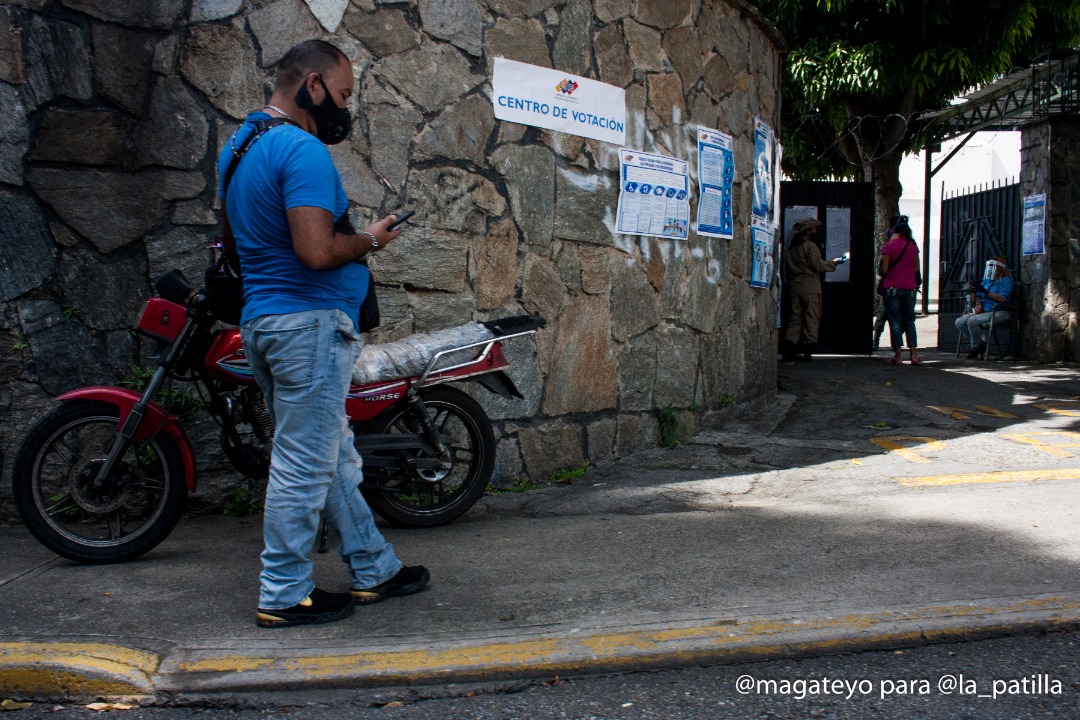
(332, 123)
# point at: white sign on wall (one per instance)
(654, 196)
(542, 97)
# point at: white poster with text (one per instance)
(542, 97)
(654, 195)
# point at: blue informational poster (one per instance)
(716, 174)
(1035, 224)
(763, 268)
(763, 170)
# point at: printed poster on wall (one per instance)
(555, 100)
(716, 174)
(793, 214)
(762, 270)
(763, 170)
(838, 241)
(654, 195)
(1034, 242)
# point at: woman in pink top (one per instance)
(899, 270)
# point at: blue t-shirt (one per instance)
(285, 168)
(1002, 286)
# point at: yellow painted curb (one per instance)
(722, 640)
(75, 670)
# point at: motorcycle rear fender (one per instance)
(500, 383)
(156, 420)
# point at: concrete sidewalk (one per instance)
(870, 506)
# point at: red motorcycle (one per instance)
(105, 476)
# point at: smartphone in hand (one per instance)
(401, 219)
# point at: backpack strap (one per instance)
(261, 128)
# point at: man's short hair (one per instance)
(307, 57)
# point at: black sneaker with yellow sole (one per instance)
(408, 580)
(317, 608)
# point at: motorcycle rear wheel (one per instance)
(52, 483)
(426, 498)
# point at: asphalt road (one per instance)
(1003, 679)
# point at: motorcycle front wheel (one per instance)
(54, 487)
(409, 496)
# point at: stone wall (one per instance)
(1050, 163)
(112, 111)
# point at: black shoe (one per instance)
(805, 357)
(977, 352)
(788, 357)
(317, 608)
(408, 580)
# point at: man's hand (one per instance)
(382, 232)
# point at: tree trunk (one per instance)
(885, 171)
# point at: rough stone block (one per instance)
(542, 289)
(107, 298)
(362, 185)
(176, 132)
(676, 367)
(203, 10)
(460, 132)
(571, 52)
(432, 76)
(666, 98)
(552, 447)
(12, 69)
(585, 205)
(634, 307)
(25, 264)
(280, 26)
(14, 135)
(520, 39)
(450, 198)
(422, 257)
(636, 433)
(113, 208)
(525, 373)
(328, 12)
(611, 10)
(637, 373)
(57, 61)
(458, 21)
(584, 372)
(219, 60)
(529, 172)
(494, 265)
(601, 439)
(645, 49)
(87, 137)
(438, 311)
(156, 14)
(182, 249)
(612, 57)
(385, 32)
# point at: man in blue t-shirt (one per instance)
(302, 294)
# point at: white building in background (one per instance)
(989, 157)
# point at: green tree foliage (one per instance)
(859, 73)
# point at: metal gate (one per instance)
(975, 227)
(847, 299)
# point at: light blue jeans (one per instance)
(303, 363)
(973, 323)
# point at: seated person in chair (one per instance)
(984, 302)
